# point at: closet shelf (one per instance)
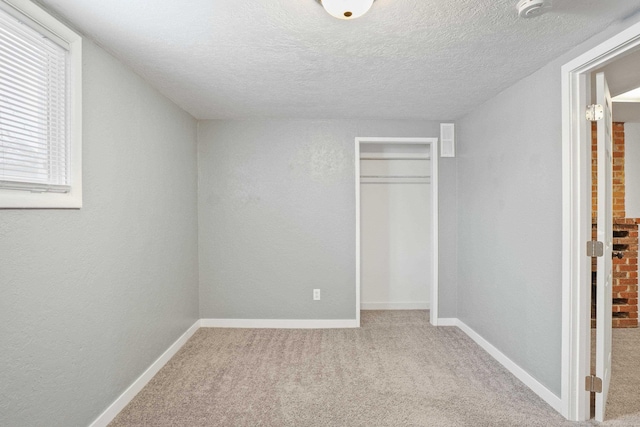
(397, 157)
(373, 179)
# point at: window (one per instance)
(40, 109)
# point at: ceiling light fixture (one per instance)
(346, 9)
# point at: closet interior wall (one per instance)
(395, 212)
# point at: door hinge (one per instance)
(595, 112)
(595, 248)
(593, 384)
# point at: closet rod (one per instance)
(395, 176)
(395, 158)
(395, 183)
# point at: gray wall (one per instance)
(277, 216)
(510, 219)
(632, 169)
(91, 297)
(448, 238)
(509, 224)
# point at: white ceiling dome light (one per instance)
(346, 9)
(530, 8)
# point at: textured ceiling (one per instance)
(428, 59)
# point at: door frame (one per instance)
(576, 217)
(433, 145)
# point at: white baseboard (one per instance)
(547, 395)
(421, 305)
(118, 405)
(447, 321)
(280, 323)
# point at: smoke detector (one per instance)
(530, 8)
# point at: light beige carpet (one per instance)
(623, 406)
(396, 370)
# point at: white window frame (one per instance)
(38, 18)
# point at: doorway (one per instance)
(397, 170)
(623, 79)
(576, 94)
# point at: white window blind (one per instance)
(34, 119)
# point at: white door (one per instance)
(605, 235)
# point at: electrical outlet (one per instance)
(316, 294)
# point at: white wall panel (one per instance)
(396, 255)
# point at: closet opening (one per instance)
(397, 224)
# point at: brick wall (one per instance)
(618, 172)
(625, 274)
